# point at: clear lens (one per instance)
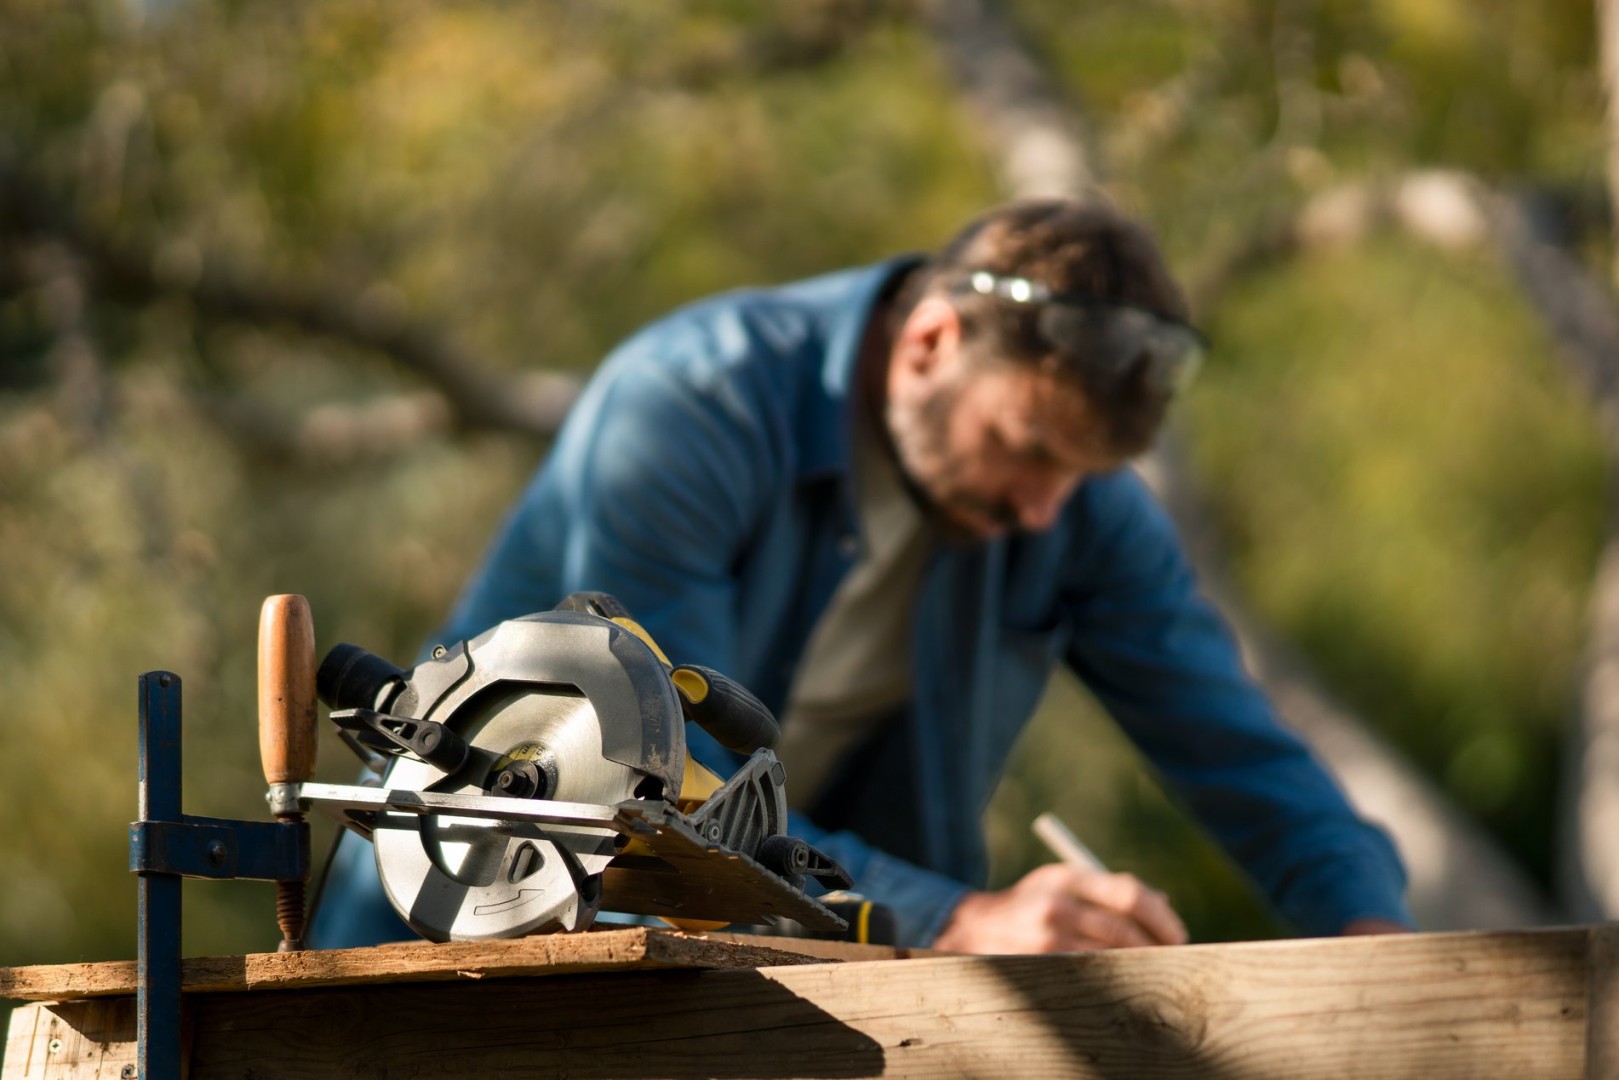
(1104, 336)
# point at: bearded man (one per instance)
(889, 501)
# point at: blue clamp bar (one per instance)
(157, 1002)
(165, 846)
(219, 848)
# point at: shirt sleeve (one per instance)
(1164, 664)
(920, 900)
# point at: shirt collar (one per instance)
(846, 301)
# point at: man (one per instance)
(889, 501)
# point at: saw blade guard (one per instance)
(562, 706)
(539, 772)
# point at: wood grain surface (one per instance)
(1602, 1044)
(421, 961)
(1433, 1006)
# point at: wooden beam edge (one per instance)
(636, 947)
(1455, 1006)
(420, 961)
(1602, 1002)
(849, 952)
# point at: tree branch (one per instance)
(1038, 141)
(532, 406)
(1607, 27)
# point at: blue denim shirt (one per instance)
(703, 478)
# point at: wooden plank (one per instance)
(1435, 1006)
(845, 951)
(1602, 1044)
(89, 1040)
(553, 954)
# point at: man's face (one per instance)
(993, 447)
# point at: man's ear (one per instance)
(929, 337)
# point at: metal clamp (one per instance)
(166, 845)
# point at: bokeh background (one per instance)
(291, 293)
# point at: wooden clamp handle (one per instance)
(287, 689)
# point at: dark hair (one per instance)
(1079, 248)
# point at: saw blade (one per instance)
(469, 879)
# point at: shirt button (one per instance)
(849, 546)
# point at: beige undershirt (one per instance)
(856, 668)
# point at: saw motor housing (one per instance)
(539, 774)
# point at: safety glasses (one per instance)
(1106, 336)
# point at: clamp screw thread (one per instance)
(289, 914)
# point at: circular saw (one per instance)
(538, 774)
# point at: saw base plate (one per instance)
(684, 876)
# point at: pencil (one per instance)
(1064, 844)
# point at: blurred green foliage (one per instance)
(1414, 499)
(1407, 487)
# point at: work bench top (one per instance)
(1522, 1005)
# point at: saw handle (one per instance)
(287, 717)
(351, 678)
(725, 709)
(722, 707)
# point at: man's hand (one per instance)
(1058, 908)
(1358, 927)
